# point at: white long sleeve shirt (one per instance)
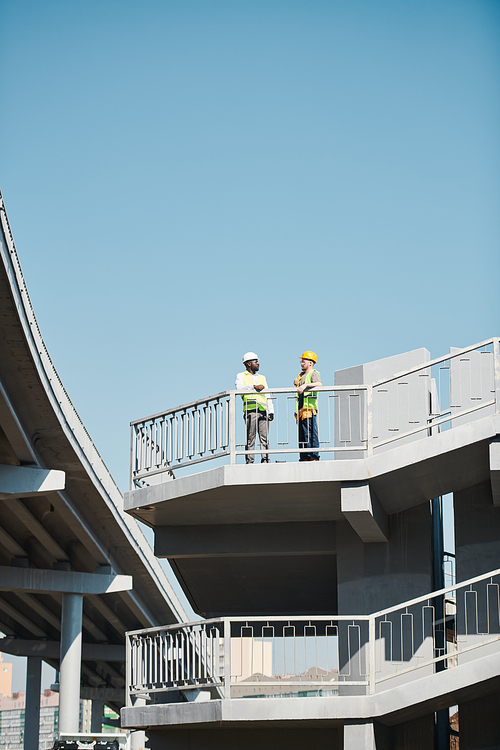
(241, 386)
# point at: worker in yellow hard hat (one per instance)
(307, 405)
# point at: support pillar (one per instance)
(138, 738)
(71, 663)
(96, 716)
(359, 734)
(32, 713)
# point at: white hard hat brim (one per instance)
(248, 356)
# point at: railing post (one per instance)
(496, 360)
(133, 453)
(369, 420)
(232, 428)
(371, 653)
(227, 658)
(128, 670)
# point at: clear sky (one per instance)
(186, 181)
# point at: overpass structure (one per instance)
(329, 621)
(76, 571)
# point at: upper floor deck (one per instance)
(367, 430)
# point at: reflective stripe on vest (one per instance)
(253, 401)
(310, 397)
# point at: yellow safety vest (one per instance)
(254, 401)
(310, 399)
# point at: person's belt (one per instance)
(306, 413)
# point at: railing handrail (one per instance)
(433, 362)
(223, 394)
(322, 618)
(324, 388)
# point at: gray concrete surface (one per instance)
(279, 528)
(391, 707)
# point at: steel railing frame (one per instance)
(419, 607)
(208, 425)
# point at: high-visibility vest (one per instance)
(310, 397)
(253, 401)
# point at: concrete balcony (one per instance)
(390, 667)
(289, 537)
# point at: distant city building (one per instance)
(12, 711)
(5, 678)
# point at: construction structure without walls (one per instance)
(331, 619)
(76, 572)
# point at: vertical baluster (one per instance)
(150, 445)
(140, 444)
(182, 428)
(188, 670)
(227, 658)
(171, 439)
(218, 436)
(189, 453)
(171, 658)
(203, 654)
(196, 428)
(226, 417)
(209, 427)
(163, 458)
(198, 646)
(154, 445)
(204, 430)
(176, 434)
(161, 658)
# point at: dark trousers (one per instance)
(256, 420)
(308, 437)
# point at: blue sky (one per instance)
(190, 180)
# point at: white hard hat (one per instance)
(248, 356)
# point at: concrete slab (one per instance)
(391, 707)
(266, 493)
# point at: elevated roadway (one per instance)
(72, 562)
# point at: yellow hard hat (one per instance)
(309, 355)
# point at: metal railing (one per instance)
(354, 421)
(298, 656)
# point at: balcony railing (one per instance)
(354, 420)
(298, 656)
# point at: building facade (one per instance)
(328, 621)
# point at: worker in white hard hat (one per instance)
(307, 405)
(258, 410)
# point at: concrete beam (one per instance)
(25, 481)
(254, 539)
(495, 470)
(61, 581)
(51, 649)
(362, 509)
(104, 694)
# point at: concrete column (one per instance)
(71, 662)
(96, 716)
(32, 713)
(477, 531)
(359, 735)
(138, 738)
